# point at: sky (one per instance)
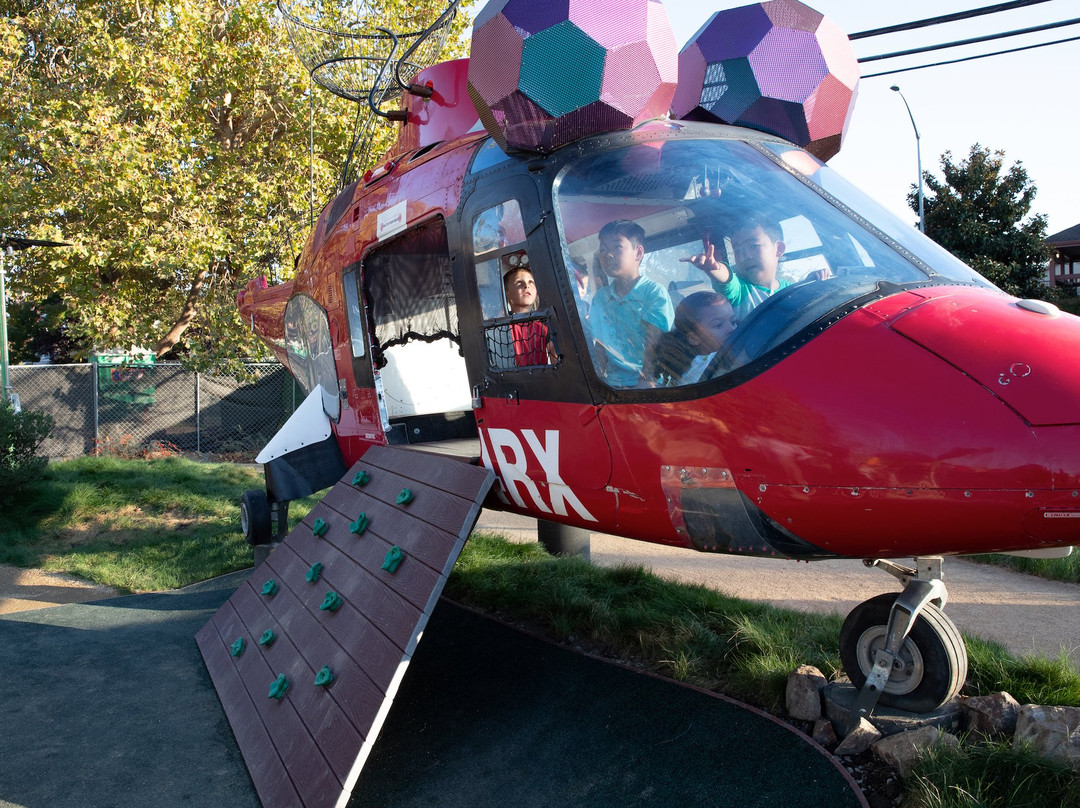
(1023, 103)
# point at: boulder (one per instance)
(992, 715)
(1050, 731)
(902, 749)
(824, 733)
(861, 738)
(803, 698)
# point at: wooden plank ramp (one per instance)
(308, 653)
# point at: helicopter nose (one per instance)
(1022, 351)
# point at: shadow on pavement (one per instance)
(108, 704)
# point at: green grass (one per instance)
(695, 634)
(990, 775)
(137, 525)
(1056, 569)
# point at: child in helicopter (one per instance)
(530, 340)
(758, 246)
(703, 323)
(628, 314)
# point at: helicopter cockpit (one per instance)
(692, 197)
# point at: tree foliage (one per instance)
(167, 141)
(979, 212)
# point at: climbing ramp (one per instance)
(308, 653)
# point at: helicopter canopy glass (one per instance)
(730, 234)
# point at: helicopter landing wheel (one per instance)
(255, 517)
(930, 667)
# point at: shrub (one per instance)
(21, 433)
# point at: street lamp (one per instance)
(918, 157)
(8, 245)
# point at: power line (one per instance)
(972, 41)
(959, 15)
(970, 58)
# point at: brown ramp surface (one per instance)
(308, 653)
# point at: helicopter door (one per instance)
(539, 428)
(420, 378)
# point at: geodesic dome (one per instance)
(779, 67)
(544, 74)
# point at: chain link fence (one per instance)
(98, 405)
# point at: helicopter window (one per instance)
(352, 310)
(516, 333)
(939, 259)
(487, 156)
(725, 230)
(310, 352)
(498, 226)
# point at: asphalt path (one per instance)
(1024, 613)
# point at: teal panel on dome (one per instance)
(562, 69)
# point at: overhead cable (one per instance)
(971, 58)
(973, 40)
(944, 18)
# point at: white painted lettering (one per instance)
(514, 471)
(561, 494)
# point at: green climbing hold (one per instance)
(405, 497)
(279, 686)
(393, 559)
(361, 478)
(331, 602)
(324, 676)
(320, 527)
(269, 588)
(237, 648)
(267, 637)
(313, 573)
(360, 525)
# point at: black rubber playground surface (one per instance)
(108, 704)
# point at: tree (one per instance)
(168, 141)
(978, 212)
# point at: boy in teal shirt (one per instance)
(630, 312)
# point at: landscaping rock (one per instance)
(824, 733)
(902, 749)
(992, 715)
(861, 738)
(804, 686)
(1050, 731)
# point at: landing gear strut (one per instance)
(901, 650)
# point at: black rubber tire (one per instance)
(255, 517)
(931, 665)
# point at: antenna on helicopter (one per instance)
(347, 51)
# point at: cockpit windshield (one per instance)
(692, 257)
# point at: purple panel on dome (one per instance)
(522, 121)
(782, 118)
(631, 79)
(772, 62)
(792, 14)
(530, 16)
(495, 60)
(589, 120)
(610, 29)
(733, 34)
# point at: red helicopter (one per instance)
(876, 399)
